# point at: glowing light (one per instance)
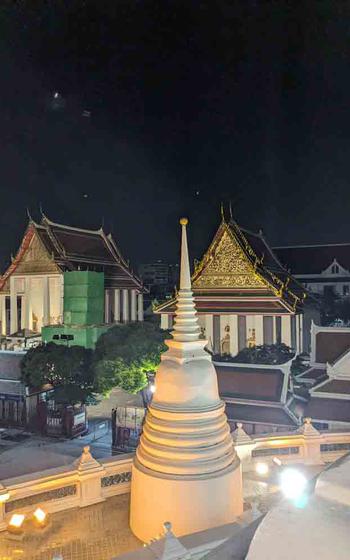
(56, 94)
(152, 388)
(40, 515)
(277, 461)
(293, 484)
(16, 520)
(4, 497)
(262, 468)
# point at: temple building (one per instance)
(32, 288)
(320, 268)
(244, 296)
(328, 378)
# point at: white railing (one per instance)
(83, 483)
(306, 445)
(88, 481)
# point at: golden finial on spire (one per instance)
(184, 221)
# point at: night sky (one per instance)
(189, 104)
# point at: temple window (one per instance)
(335, 269)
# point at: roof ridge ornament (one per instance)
(222, 212)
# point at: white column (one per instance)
(233, 322)
(301, 334)
(107, 314)
(274, 330)
(27, 312)
(259, 329)
(133, 305)
(3, 313)
(164, 321)
(116, 306)
(13, 307)
(286, 330)
(125, 306)
(46, 301)
(209, 331)
(23, 312)
(140, 307)
(62, 299)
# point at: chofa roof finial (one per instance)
(222, 211)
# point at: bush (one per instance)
(265, 354)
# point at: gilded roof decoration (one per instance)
(226, 266)
(36, 259)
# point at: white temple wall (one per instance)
(227, 329)
(35, 300)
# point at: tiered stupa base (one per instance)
(193, 504)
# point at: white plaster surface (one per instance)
(320, 530)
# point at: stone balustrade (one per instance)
(85, 482)
(305, 445)
(88, 481)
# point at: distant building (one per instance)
(159, 278)
(321, 269)
(244, 296)
(31, 289)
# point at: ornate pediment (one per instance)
(36, 259)
(227, 266)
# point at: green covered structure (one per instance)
(83, 311)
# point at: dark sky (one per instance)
(191, 103)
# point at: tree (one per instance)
(68, 369)
(125, 354)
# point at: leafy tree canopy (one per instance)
(69, 368)
(126, 353)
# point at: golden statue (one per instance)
(251, 340)
(225, 342)
(35, 322)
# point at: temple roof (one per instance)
(328, 409)
(313, 259)
(250, 383)
(331, 345)
(257, 414)
(239, 273)
(57, 247)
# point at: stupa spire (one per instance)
(186, 327)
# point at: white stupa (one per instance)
(186, 470)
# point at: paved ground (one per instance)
(101, 532)
(98, 532)
(38, 453)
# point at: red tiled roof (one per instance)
(313, 373)
(313, 259)
(330, 345)
(238, 412)
(233, 306)
(10, 365)
(341, 386)
(336, 410)
(73, 248)
(250, 383)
